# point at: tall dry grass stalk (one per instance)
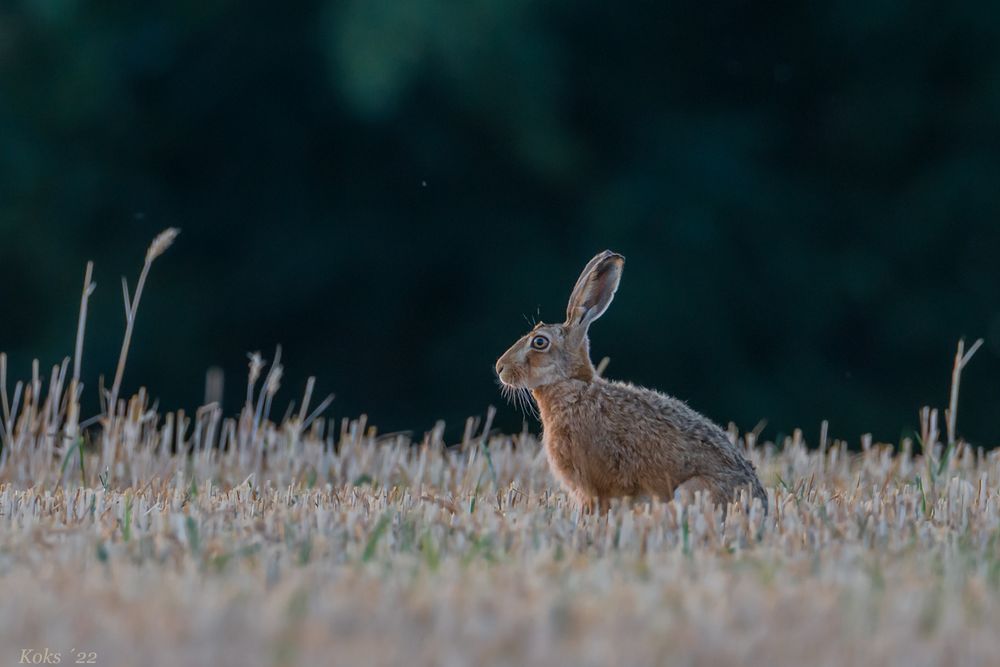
(159, 246)
(962, 359)
(71, 430)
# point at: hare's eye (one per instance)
(539, 342)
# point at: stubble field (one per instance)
(199, 540)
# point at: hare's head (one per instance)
(553, 352)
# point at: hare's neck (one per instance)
(552, 399)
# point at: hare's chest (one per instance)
(564, 466)
(572, 458)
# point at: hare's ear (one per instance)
(594, 290)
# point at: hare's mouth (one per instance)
(510, 377)
(510, 382)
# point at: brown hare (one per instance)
(608, 439)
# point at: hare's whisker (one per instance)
(529, 403)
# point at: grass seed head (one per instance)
(161, 243)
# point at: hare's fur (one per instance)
(608, 439)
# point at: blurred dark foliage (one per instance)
(808, 196)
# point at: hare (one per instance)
(608, 439)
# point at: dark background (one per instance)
(808, 196)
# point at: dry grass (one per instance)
(199, 540)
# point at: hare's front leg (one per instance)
(600, 505)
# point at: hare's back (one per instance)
(648, 405)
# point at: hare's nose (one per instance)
(500, 368)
